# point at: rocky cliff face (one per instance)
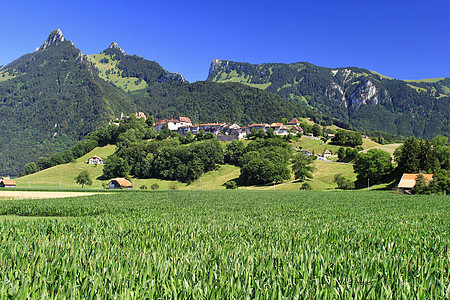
(361, 97)
(56, 37)
(114, 45)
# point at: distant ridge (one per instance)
(365, 99)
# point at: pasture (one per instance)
(226, 244)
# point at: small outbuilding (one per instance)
(120, 183)
(8, 183)
(408, 181)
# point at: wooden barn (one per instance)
(120, 183)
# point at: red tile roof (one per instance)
(294, 121)
(184, 119)
(9, 182)
(123, 182)
(409, 180)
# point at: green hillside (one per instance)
(109, 72)
(52, 98)
(365, 99)
(63, 175)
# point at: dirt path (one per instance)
(40, 195)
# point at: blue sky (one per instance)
(400, 39)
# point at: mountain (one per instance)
(53, 97)
(361, 97)
(49, 99)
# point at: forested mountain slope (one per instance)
(48, 100)
(361, 97)
(53, 97)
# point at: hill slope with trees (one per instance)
(52, 98)
(365, 99)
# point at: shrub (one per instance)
(143, 187)
(154, 186)
(343, 182)
(231, 185)
(306, 186)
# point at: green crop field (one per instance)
(226, 244)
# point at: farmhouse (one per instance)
(8, 183)
(279, 129)
(95, 160)
(184, 121)
(408, 181)
(326, 153)
(297, 129)
(173, 124)
(264, 127)
(120, 183)
(294, 122)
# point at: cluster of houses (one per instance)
(183, 125)
(138, 115)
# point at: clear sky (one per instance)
(397, 38)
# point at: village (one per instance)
(227, 132)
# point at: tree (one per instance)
(263, 171)
(317, 130)
(150, 121)
(343, 183)
(165, 132)
(83, 178)
(302, 166)
(341, 153)
(231, 185)
(234, 151)
(116, 166)
(306, 186)
(284, 121)
(261, 133)
(421, 186)
(347, 138)
(416, 155)
(31, 168)
(373, 166)
(441, 182)
(306, 127)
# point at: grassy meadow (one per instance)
(62, 176)
(226, 244)
(128, 84)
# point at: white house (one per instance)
(95, 160)
(279, 129)
(326, 153)
(173, 124)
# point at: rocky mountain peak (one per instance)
(114, 45)
(55, 37)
